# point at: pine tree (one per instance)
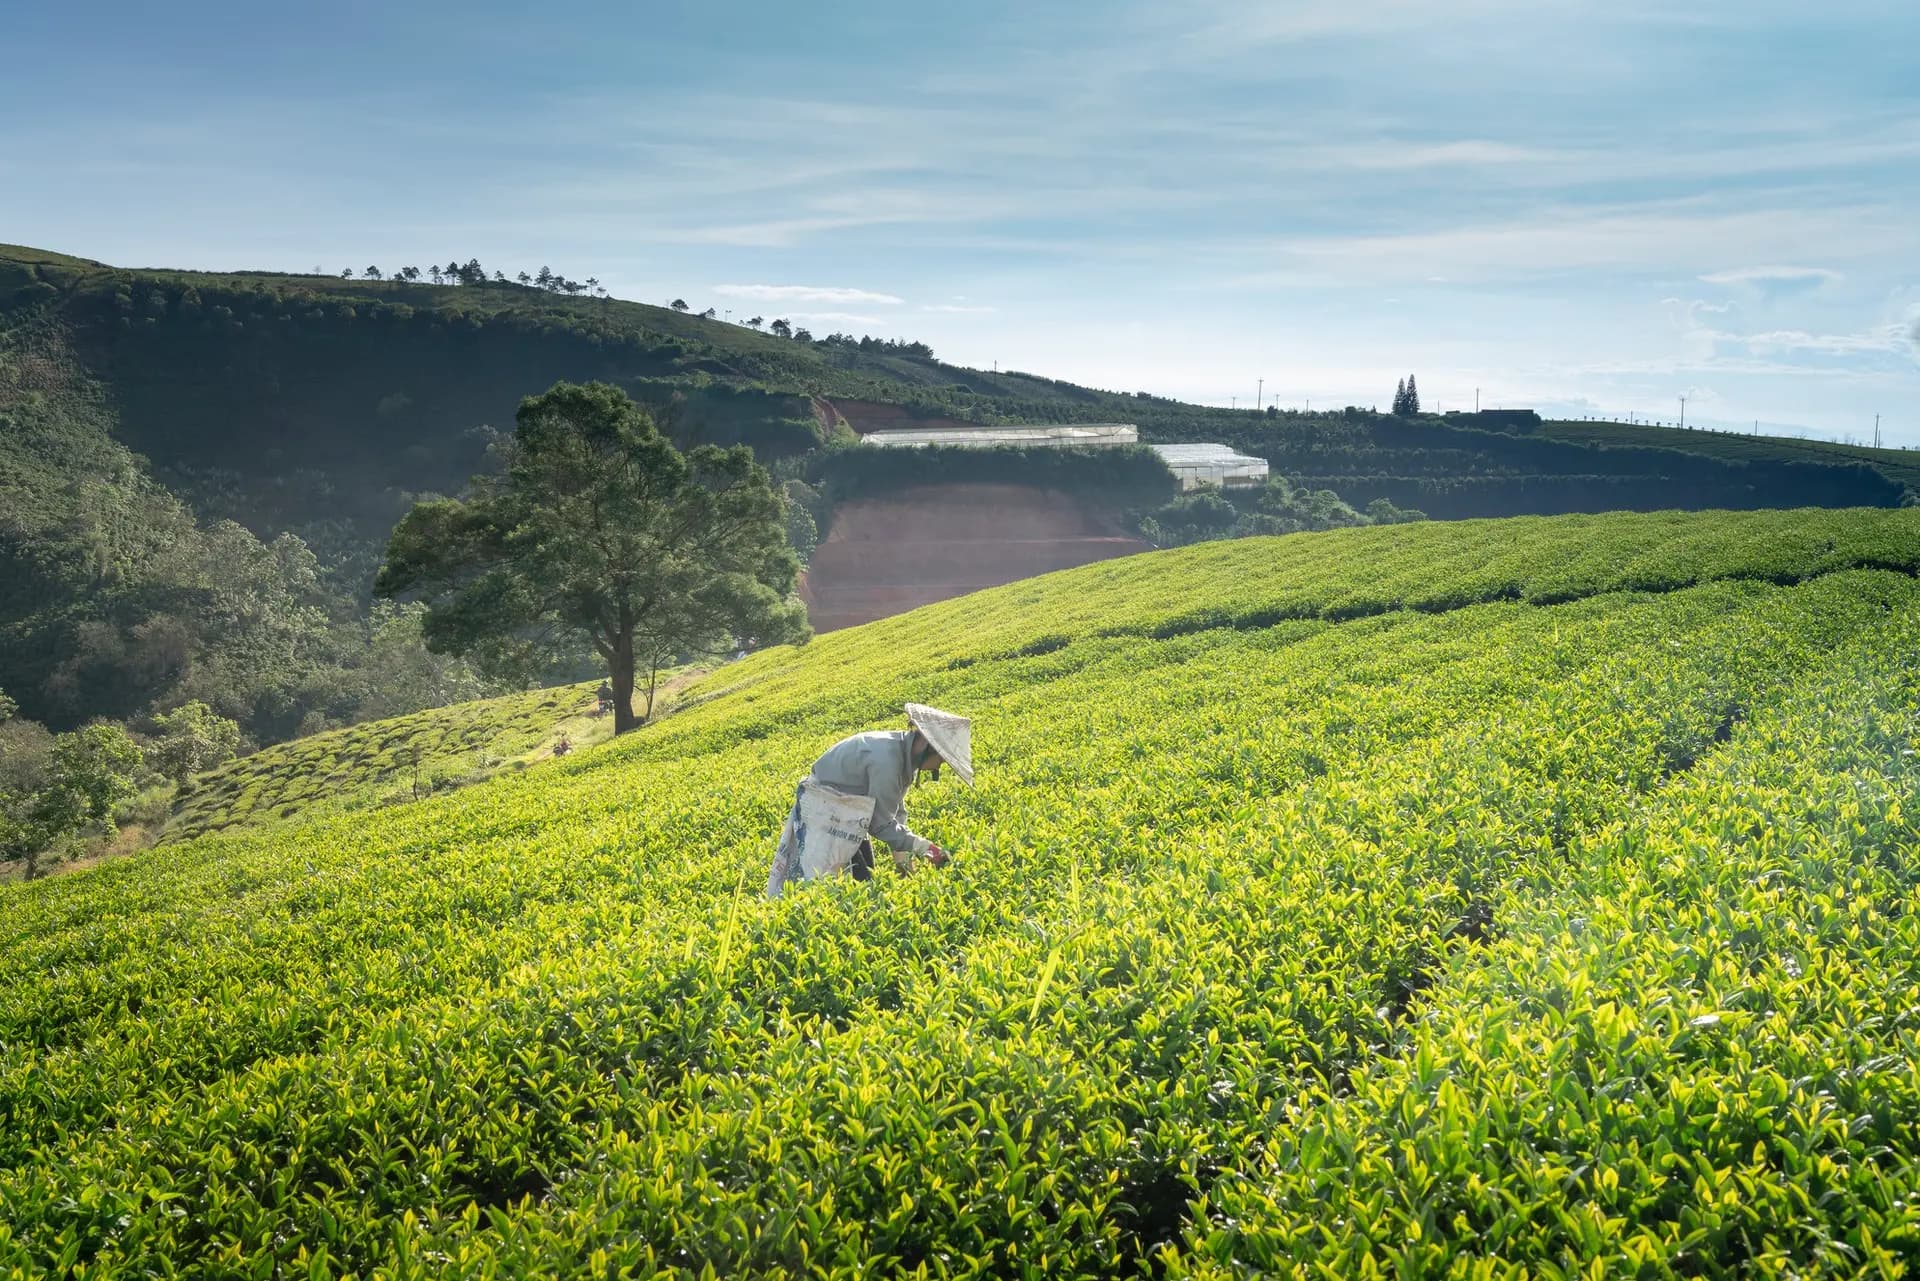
(1413, 397)
(1400, 398)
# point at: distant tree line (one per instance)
(1278, 507)
(878, 346)
(782, 328)
(473, 275)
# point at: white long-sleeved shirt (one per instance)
(876, 764)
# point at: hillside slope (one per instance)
(320, 404)
(1387, 900)
(384, 762)
(142, 408)
(1902, 465)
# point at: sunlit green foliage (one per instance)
(377, 763)
(190, 740)
(1389, 901)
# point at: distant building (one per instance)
(1207, 464)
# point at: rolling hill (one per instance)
(1902, 465)
(141, 408)
(320, 404)
(379, 763)
(1450, 897)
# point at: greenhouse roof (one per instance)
(1204, 455)
(1211, 464)
(1045, 435)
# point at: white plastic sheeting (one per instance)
(1207, 464)
(1038, 435)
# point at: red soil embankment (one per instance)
(886, 556)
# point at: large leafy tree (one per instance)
(596, 528)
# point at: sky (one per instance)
(1586, 208)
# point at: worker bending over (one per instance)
(857, 790)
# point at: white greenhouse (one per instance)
(1198, 464)
(1039, 436)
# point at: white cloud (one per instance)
(1801, 350)
(1773, 276)
(959, 310)
(1885, 339)
(804, 293)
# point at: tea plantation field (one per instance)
(383, 762)
(1530, 897)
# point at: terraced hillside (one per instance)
(381, 762)
(1902, 465)
(1476, 899)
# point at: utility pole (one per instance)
(1876, 431)
(1261, 399)
(1233, 402)
(1476, 400)
(1683, 413)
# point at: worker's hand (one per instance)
(937, 856)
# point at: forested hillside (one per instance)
(198, 471)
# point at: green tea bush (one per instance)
(1502, 898)
(361, 766)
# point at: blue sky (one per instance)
(1586, 207)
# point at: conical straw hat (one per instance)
(950, 735)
